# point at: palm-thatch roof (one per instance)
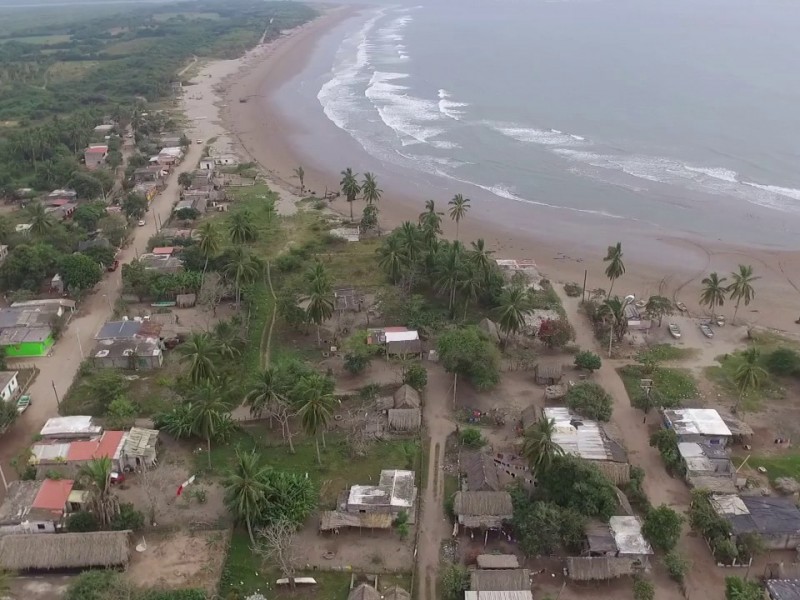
(483, 509)
(404, 419)
(601, 568)
(404, 347)
(497, 561)
(45, 551)
(406, 397)
(500, 580)
(334, 519)
(364, 592)
(396, 593)
(481, 472)
(549, 371)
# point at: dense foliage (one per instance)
(662, 527)
(587, 360)
(467, 351)
(111, 585)
(590, 400)
(542, 528)
(576, 484)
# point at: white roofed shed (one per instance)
(627, 533)
(74, 427)
(703, 425)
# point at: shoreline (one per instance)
(675, 267)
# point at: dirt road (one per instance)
(433, 524)
(58, 370)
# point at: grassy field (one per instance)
(674, 385)
(130, 46)
(723, 377)
(186, 15)
(73, 70)
(668, 352)
(776, 466)
(40, 39)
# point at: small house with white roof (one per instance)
(701, 425)
(396, 492)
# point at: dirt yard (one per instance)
(179, 560)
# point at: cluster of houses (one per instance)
(203, 191)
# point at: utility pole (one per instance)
(585, 274)
(58, 402)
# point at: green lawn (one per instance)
(776, 466)
(722, 377)
(40, 39)
(669, 352)
(673, 384)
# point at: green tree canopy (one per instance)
(467, 351)
(577, 484)
(662, 527)
(590, 400)
(80, 272)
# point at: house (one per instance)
(775, 520)
(702, 425)
(202, 178)
(588, 440)
(35, 506)
(499, 580)
(171, 234)
(129, 329)
(161, 263)
(480, 472)
(104, 129)
(396, 492)
(497, 561)
(67, 458)
(62, 551)
(9, 385)
(139, 450)
(61, 195)
(164, 250)
(335, 520)
(199, 199)
(364, 592)
(206, 164)
(25, 342)
(62, 210)
(226, 160)
(402, 342)
(148, 189)
(616, 549)
(170, 139)
(404, 419)
(482, 510)
(406, 397)
(548, 373)
(95, 156)
(150, 174)
(395, 592)
(70, 428)
(171, 155)
(134, 354)
(26, 328)
(97, 242)
(783, 589)
(636, 322)
(708, 467)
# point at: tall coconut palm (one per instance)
(241, 228)
(41, 221)
(300, 173)
(749, 375)
(514, 305)
(96, 477)
(658, 306)
(370, 190)
(481, 258)
(713, 293)
(316, 406)
(538, 447)
(201, 352)
(350, 187)
(430, 220)
(470, 286)
(459, 206)
(209, 241)
(450, 271)
(612, 310)
(240, 268)
(392, 257)
(318, 274)
(411, 240)
(246, 488)
(268, 394)
(320, 304)
(228, 339)
(615, 268)
(742, 287)
(210, 415)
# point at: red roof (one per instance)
(164, 250)
(53, 495)
(97, 149)
(106, 447)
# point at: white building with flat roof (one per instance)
(701, 425)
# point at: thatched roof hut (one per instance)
(481, 472)
(396, 593)
(601, 568)
(364, 592)
(404, 348)
(404, 419)
(332, 519)
(483, 509)
(548, 373)
(46, 551)
(406, 397)
(508, 580)
(497, 561)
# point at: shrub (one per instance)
(356, 363)
(98, 585)
(737, 588)
(677, 565)
(587, 360)
(128, 518)
(643, 589)
(591, 401)
(572, 289)
(666, 440)
(416, 376)
(454, 581)
(783, 361)
(81, 522)
(634, 490)
(556, 333)
(578, 485)
(471, 438)
(662, 528)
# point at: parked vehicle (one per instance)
(142, 223)
(113, 266)
(675, 331)
(706, 330)
(681, 307)
(23, 403)
(720, 320)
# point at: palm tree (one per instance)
(318, 274)
(411, 240)
(430, 220)
(316, 406)
(749, 375)
(228, 339)
(613, 310)
(615, 268)
(450, 271)
(41, 221)
(241, 228)
(370, 190)
(209, 241)
(96, 476)
(481, 258)
(742, 287)
(209, 413)
(300, 173)
(201, 352)
(514, 305)
(471, 285)
(241, 268)
(538, 447)
(246, 488)
(658, 306)
(267, 394)
(350, 187)
(392, 258)
(458, 209)
(713, 293)
(320, 304)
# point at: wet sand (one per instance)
(563, 247)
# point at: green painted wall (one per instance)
(26, 349)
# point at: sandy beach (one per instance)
(669, 265)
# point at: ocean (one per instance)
(663, 118)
